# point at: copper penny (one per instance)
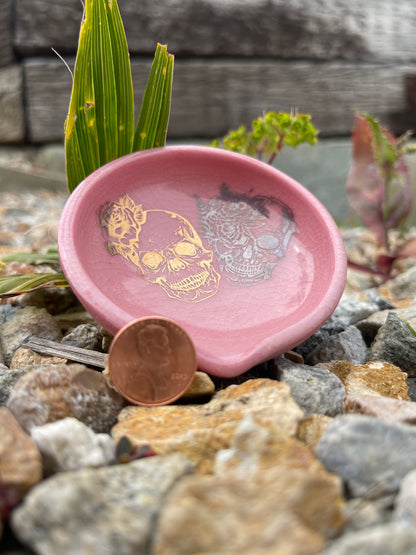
(152, 361)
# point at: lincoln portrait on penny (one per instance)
(155, 362)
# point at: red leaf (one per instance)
(378, 185)
(364, 187)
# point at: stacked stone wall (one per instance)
(234, 59)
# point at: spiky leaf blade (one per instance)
(123, 80)
(155, 109)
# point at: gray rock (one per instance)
(311, 343)
(7, 311)
(28, 321)
(396, 344)
(351, 310)
(68, 444)
(315, 390)
(53, 391)
(54, 299)
(405, 505)
(370, 327)
(369, 454)
(364, 512)
(348, 345)
(86, 336)
(8, 378)
(403, 286)
(411, 382)
(394, 538)
(102, 511)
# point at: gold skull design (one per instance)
(164, 246)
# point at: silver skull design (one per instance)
(248, 234)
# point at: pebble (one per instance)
(395, 343)
(371, 455)
(405, 503)
(366, 512)
(351, 310)
(201, 387)
(237, 506)
(20, 460)
(311, 428)
(98, 510)
(199, 431)
(386, 408)
(404, 285)
(8, 379)
(373, 378)
(394, 538)
(52, 392)
(273, 511)
(54, 299)
(24, 357)
(347, 345)
(25, 322)
(68, 444)
(319, 459)
(316, 390)
(86, 336)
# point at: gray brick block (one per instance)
(12, 125)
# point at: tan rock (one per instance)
(257, 446)
(201, 386)
(393, 410)
(54, 391)
(311, 428)
(341, 368)
(200, 431)
(20, 460)
(373, 378)
(26, 357)
(278, 511)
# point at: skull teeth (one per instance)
(190, 282)
(246, 270)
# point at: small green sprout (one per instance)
(269, 134)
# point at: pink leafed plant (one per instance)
(379, 187)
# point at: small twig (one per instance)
(62, 350)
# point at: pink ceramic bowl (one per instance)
(240, 255)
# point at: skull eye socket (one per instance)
(184, 248)
(268, 242)
(152, 260)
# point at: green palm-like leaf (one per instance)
(100, 122)
(50, 257)
(17, 284)
(154, 114)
